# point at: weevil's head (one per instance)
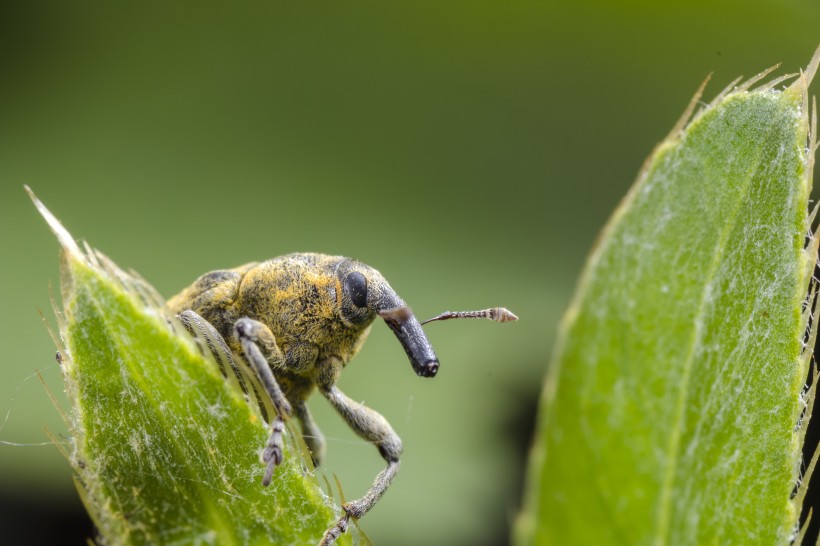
(365, 294)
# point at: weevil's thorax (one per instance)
(302, 299)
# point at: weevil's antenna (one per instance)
(498, 314)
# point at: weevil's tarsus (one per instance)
(341, 524)
(497, 314)
(362, 535)
(347, 520)
(273, 455)
(336, 531)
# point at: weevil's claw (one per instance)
(273, 454)
(336, 531)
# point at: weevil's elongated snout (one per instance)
(408, 329)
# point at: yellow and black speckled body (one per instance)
(300, 298)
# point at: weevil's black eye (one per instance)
(356, 289)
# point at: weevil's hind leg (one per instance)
(251, 334)
(313, 437)
(371, 426)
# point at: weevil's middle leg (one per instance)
(250, 334)
(313, 437)
(373, 427)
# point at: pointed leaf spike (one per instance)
(63, 236)
(810, 71)
(754, 79)
(690, 109)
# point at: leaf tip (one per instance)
(807, 75)
(63, 236)
(811, 69)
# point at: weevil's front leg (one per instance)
(313, 437)
(371, 426)
(251, 334)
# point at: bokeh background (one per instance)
(470, 151)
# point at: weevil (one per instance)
(298, 320)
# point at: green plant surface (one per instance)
(165, 449)
(670, 414)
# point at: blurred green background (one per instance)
(470, 151)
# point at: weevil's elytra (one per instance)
(298, 320)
